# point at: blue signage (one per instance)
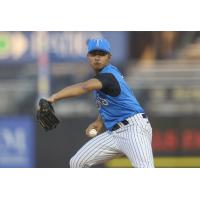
(62, 46)
(17, 142)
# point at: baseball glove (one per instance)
(46, 115)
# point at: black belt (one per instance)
(124, 122)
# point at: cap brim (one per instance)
(103, 50)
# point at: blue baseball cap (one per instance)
(100, 44)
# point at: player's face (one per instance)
(98, 59)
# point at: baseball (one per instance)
(92, 133)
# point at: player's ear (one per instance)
(88, 56)
(109, 56)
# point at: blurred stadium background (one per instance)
(163, 68)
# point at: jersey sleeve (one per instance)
(110, 84)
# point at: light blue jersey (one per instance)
(116, 109)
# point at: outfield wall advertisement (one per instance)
(16, 142)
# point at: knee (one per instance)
(73, 163)
(77, 162)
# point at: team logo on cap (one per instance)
(97, 43)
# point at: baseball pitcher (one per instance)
(128, 130)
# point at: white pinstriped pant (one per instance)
(132, 140)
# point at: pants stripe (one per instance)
(92, 152)
(101, 143)
(97, 140)
(136, 142)
(132, 148)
